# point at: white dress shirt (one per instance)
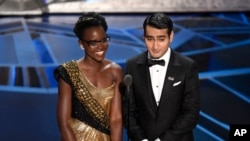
(155, 139)
(157, 75)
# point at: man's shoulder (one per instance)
(136, 57)
(183, 58)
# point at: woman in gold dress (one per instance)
(89, 99)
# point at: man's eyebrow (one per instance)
(161, 36)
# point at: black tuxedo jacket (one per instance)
(177, 113)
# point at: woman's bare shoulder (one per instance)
(115, 68)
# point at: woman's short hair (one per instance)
(87, 20)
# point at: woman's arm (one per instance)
(64, 111)
(116, 109)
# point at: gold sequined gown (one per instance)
(81, 128)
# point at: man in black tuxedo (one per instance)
(163, 102)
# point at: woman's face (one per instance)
(95, 43)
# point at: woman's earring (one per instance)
(81, 46)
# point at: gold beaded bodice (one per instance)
(90, 104)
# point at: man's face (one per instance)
(157, 41)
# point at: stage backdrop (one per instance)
(10, 7)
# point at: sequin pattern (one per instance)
(91, 105)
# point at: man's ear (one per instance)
(171, 36)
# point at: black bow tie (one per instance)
(154, 62)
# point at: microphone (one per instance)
(127, 80)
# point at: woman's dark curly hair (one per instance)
(87, 20)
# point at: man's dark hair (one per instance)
(160, 21)
(87, 20)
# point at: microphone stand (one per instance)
(128, 81)
(128, 89)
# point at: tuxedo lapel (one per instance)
(143, 73)
(172, 71)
